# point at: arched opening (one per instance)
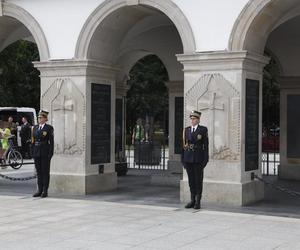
(21, 42)
(169, 8)
(147, 96)
(20, 82)
(120, 38)
(257, 21)
(17, 23)
(271, 28)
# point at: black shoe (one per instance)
(191, 203)
(37, 194)
(44, 195)
(197, 206)
(197, 203)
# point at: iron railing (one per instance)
(147, 155)
(270, 161)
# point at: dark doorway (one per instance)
(271, 118)
(146, 112)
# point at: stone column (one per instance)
(224, 86)
(175, 125)
(66, 92)
(289, 167)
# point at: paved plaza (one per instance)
(53, 223)
(139, 216)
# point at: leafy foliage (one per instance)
(19, 81)
(148, 94)
(271, 93)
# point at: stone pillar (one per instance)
(175, 125)
(66, 92)
(289, 167)
(226, 88)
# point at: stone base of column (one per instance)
(175, 166)
(289, 172)
(82, 184)
(226, 193)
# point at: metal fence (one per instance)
(270, 162)
(147, 155)
(156, 156)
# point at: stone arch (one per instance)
(257, 20)
(167, 7)
(135, 55)
(18, 13)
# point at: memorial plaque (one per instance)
(119, 124)
(293, 131)
(101, 121)
(252, 125)
(178, 124)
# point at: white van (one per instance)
(17, 114)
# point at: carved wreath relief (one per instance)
(219, 103)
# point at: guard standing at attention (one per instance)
(43, 147)
(195, 157)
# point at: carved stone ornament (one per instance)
(219, 102)
(224, 153)
(67, 111)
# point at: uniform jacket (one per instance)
(42, 141)
(195, 146)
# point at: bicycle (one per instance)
(13, 157)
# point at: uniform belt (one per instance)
(38, 143)
(191, 147)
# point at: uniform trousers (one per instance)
(25, 148)
(195, 177)
(42, 166)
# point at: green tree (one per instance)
(19, 81)
(148, 94)
(271, 93)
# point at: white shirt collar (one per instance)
(195, 127)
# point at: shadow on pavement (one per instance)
(137, 189)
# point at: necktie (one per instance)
(193, 130)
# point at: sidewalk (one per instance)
(53, 223)
(141, 216)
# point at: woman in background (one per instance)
(5, 134)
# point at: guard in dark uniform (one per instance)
(43, 146)
(25, 134)
(195, 157)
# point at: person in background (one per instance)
(5, 134)
(138, 134)
(12, 126)
(25, 134)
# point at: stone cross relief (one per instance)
(217, 98)
(63, 112)
(211, 106)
